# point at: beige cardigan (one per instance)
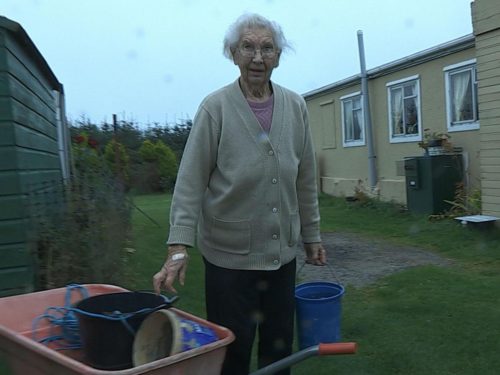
(250, 195)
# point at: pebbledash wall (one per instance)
(343, 154)
(425, 79)
(33, 150)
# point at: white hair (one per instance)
(252, 21)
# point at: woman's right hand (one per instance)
(174, 268)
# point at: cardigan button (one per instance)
(275, 236)
(274, 181)
(271, 152)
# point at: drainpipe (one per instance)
(372, 166)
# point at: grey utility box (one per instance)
(431, 181)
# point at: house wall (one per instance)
(29, 154)
(344, 169)
(486, 25)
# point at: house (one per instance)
(34, 151)
(443, 89)
(486, 26)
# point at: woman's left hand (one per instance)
(315, 253)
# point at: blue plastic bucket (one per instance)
(319, 310)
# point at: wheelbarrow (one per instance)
(24, 355)
(321, 349)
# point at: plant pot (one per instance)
(436, 150)
(435, 143)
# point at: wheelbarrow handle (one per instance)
(320, 349)
(337, 348)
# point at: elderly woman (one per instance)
(246, 189)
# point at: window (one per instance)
(404, 110)
(352, 120)
(461, 96)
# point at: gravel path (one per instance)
(358, 262)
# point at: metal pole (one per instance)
(118, 170)
(372, 166)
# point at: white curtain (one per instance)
(348, 120)
(461, 82)
(397, 110)
(358, 120)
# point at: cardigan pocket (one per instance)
(294, 233)
(230, 236)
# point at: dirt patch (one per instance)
(358, 262)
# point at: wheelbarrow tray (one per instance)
(25, 355)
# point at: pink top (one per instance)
(264, 112)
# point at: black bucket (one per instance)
(108, 323)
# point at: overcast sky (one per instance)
(154, 60)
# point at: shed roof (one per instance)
(453, 46)
(17, 31)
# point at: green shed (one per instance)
(34, 151)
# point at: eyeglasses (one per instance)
(248, 50)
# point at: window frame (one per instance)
(362, 140)
(401, 83)
(468, 65)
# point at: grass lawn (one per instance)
(150, 230)
(425, 320)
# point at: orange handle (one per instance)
(338, 348)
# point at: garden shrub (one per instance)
(82, 236)
(158, 169)
(117, 160)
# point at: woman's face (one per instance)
(256, 56)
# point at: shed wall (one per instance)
(29, 156)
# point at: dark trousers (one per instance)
(247, 301)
